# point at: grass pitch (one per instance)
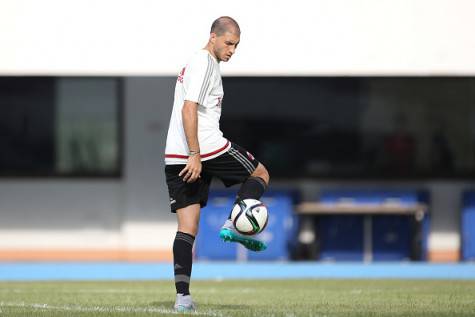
(242, 298)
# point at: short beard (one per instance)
(216, 53)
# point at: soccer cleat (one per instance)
(184, 304)
(229, 235)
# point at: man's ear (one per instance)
(212, 37)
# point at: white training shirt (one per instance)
(199, 81)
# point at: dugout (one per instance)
(369, 224)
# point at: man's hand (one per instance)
(192, 170)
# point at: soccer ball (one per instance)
(249, 216)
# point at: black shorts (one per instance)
(232, 167)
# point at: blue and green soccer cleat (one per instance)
(229, 235)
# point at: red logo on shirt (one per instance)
(181, 75)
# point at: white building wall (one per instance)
(319, 37)
(65, 214)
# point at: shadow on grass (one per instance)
(228, 307)
(169, 305)
(164, 304)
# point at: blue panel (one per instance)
(468, 226)
(469, 199)
(208, 245)
(280, 230)
(391, 237)
(468, 234)
(341, 238)
(279, 233)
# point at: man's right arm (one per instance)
(192, 170)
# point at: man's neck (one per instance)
(210, 51)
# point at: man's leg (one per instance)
(253, 187)
(188, 219)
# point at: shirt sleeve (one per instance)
(197, 79)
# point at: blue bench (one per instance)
(393, 237)
(279, 233)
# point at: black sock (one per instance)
(182, 261)
(253, 187)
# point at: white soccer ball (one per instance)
(249, 216)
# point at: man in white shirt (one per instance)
(196, 151)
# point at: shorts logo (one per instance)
(249, 155)
(172, 201)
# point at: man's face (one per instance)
(225, 45)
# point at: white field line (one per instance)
(103, 291)
(112, 309)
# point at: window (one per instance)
(60, 126)
(355, 127)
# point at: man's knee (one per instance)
(189, 228)
(262, 172)
(188, 219)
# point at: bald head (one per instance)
(225, 24)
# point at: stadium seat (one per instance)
(468, 226)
